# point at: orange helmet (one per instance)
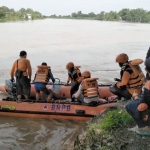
(122, 58)
(69, 65)
(86, 74)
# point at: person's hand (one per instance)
(29, 80)
(53, 80)
(116, 79)
(66, 84)
(12, 80)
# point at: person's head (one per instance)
(86, 74)
(147, 65)
(122, 58)
(70, 66)
(44, 64)
(23, 54)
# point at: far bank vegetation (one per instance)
(127, 15)
(7, 14)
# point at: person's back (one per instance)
(88, 88)
(22, 70)
(41, 79)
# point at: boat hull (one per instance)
(69, 111)
(64, 91)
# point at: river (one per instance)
(93, 45)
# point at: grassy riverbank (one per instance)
(109, 131)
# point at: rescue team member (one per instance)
(131, 78)
(88, 89)
(139, 109)
(22, 70)
(42, 77)
(74, 75)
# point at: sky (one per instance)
(67, 7)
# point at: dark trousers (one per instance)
(131, 108)
(120, 92)
(74, 88)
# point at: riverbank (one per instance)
(118, 137)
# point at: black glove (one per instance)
(12, 80)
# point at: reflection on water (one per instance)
(91, 44)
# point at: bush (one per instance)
(115, 119)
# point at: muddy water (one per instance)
(91, 44)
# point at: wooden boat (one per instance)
(58, 109)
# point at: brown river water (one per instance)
(91, 44)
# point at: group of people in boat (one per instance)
(132, 85)
(86, 87)
(83, 86)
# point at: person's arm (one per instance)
(125, 80)
(29, 69)
(148, 53)
(12, 71)
(79, 79)
(78, 93)
(51, 76)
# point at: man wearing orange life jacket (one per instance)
(41, 79)
(131, 78)
(74, 75)
(88, 89)
(22, 70)
(139, 109)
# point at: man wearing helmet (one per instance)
(131, 78)
(139, 109)
(74, 75)
(88, 89)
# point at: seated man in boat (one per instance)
(88, 89)
(131, 78)
(139, 109)
(74, 75)
(22, 71)
(41, 79)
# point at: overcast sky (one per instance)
(66, 7)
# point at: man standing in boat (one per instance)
(131, 78)
(74, 75)
(22, 70)
(88, 89)
(41, 79)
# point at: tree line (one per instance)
(7, 14)
(128, 15)
(133, 15)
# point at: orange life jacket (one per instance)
(90, 87)
(42, 74)
(137, 79)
